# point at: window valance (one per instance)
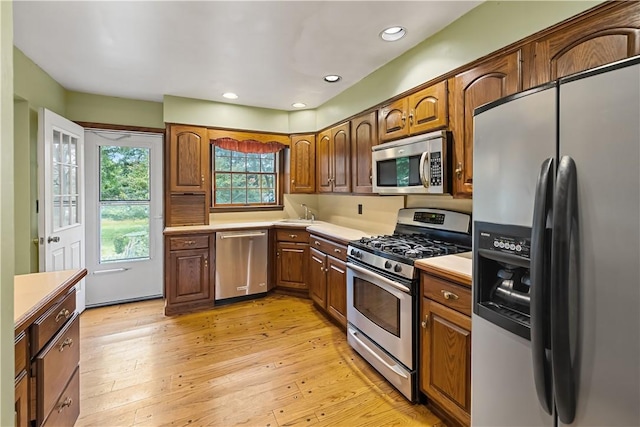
(248, 145)
(248, 142)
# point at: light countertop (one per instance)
(457, 267)
(34, 291)
(325, 228)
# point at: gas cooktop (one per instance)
(411, 246)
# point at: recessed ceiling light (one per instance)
(230, 95)
(332, 78)
(392, 34)
(298, 105)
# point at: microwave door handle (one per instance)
(423, 177)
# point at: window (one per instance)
(245, 180)
(124, 203)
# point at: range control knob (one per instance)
(356, 253)
(397, 268)
(387, 264)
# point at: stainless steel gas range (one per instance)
(383, 287)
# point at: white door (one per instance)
(61, 196)
(124, 216)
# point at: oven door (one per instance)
(382, 309)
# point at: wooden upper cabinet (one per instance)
(303, 164)
(428, 109)
(189, 159)
(392, 120)
(491, 80)
(323, 162)
(341, 158)
(364, 135)
(422, 111)
(596, 40)
(333, 161)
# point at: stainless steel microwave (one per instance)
(414, 165)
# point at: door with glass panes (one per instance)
(124, 216)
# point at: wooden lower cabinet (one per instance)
(21, 400)
(445, 348)
(328, 277)
(292, 252)
(189, 272)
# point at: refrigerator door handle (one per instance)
(564, 268)
(540, 283)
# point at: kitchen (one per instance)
(379, 213)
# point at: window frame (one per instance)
(279, 187)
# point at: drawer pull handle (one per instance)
(190, 242)
(66, 343)
(449, 295)
(63, 313)
(293, 236)
(67, 402)
(338, 251)
(317, 243)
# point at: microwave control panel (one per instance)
(435, 169)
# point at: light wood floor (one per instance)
(270, 362)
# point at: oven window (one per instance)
(377, 305)
(400, 172)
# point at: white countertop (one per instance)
(331, 230)
(458, 266)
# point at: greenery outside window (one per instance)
(245, 180)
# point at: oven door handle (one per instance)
(391, 283)
(380, 359)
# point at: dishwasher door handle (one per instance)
(237, 236)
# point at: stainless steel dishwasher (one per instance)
(242, 261)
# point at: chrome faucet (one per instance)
(306, 211)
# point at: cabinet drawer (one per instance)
(67, 408)
(55, 365)
(188, 242)
(292, 235)
(21, 353)
(328, 247)
(447, 293)
(49, 323)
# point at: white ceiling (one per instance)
(271, 53)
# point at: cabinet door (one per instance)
(303, 164)
(596, 40)
(189, 278)
(364, 135)
(487, 82)
(428, 109)
(323, 162)
(292, 260)
(189, 159)
(21, 400)
(392, 120)
(318, 277)
(337, 289)
(341, 158)
(446, 359)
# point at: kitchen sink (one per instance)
(299, 221)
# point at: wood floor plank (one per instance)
(275, 361)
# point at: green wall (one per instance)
(6, 215)
(218, 114)
(84, 107)
(486, 28)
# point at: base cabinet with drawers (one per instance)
(291, 260)
(445, 346)
(189, 272)
(47, 349)
(328, 276)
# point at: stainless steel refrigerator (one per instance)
(556, 281)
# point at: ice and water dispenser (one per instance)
(502, 281)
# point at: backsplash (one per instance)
(379, 213)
